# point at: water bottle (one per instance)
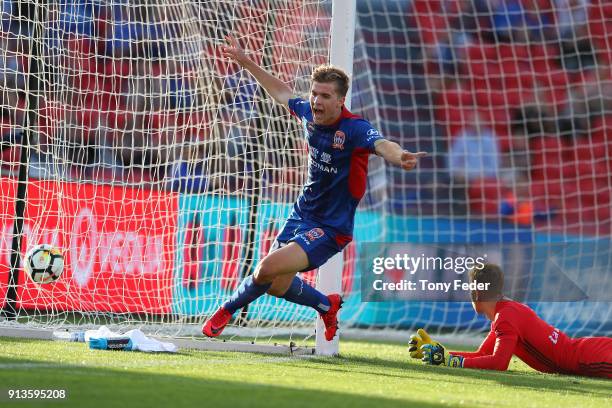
(113, 343)
(77, 336)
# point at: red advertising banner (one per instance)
(8, 188)
(118, 245)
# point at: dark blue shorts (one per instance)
(319, 243)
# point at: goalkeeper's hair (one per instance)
(329, 73)
(491, 274)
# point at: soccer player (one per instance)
(321, 223)
(516, 329)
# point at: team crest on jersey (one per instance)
(339, 138)
(314, 233)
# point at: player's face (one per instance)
(325, 102)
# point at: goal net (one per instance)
(160, 168)
(164, 172)
(512, 99)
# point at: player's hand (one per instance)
(233, 51)
(417, 341)
(409, 160)
(437, 355)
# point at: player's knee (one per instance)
(276, 291)
(265, 272)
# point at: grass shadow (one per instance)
(532, 380)
(103, 387)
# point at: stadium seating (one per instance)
(496, 79)
(568, 174)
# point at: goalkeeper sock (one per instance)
(303, 294)
(247, 292)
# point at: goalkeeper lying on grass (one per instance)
(516, 329)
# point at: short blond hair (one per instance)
(329, 73)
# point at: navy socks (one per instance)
(246, 293)
(303, 294)
(299, 292)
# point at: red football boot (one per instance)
(331, 317)
(217, 322)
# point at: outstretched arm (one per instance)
(494, 353)
(394, 154)
(503, 340)
(276, 88)
(485, 349)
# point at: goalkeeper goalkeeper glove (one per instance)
(435, 354)
(417, 341)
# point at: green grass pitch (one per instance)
(367, 374)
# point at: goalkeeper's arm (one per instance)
(499, 359)
(422, 337)
(503, 349)
(485, 349)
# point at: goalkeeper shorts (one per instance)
(319, 243)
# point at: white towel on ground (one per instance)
(140, 342)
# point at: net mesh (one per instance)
(164, 171)
(512, 99)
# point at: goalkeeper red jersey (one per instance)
(516, 329)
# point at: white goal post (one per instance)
(341, 55)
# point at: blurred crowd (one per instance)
(120, 94)
(137, 92)
(522, 91)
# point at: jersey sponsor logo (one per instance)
(554, 336)
(314, 233)
(322, 167)
(324, 157)
(372, 134)
(339, 139)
